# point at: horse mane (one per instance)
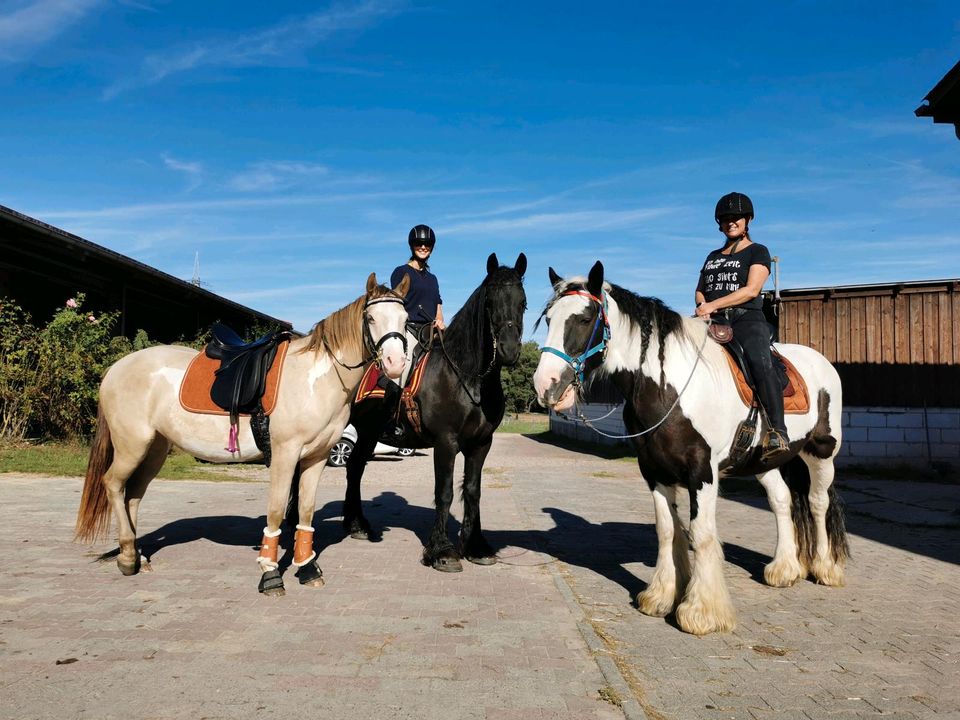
(466, 335)
(343, 329)
(646, 314)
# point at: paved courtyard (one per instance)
(549, 632)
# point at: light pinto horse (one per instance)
(140, 417)
(683, 407)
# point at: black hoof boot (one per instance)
(310, 574)
(271, 583)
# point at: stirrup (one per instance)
(774, 445)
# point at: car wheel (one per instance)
(405, 452)
(340, 452)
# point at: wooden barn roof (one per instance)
(943, 102)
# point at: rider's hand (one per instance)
(705, 310)
(439, 325)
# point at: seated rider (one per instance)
(423, 303)
(729, 291)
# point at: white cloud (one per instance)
(567, 222)
(193, 170)
(265, 176)
(273, 46)
(36, 23)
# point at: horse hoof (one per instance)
(485, 560)
(447, 564)
(310, 575)
(271, 583)
(359, 534)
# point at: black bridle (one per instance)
(374, 348)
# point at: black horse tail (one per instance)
(797, 475)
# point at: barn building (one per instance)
(896, 347)
(942, 103)
(42, 266)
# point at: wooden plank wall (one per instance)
(869, 335)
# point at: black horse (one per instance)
(461, 405)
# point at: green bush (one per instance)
(50, 376)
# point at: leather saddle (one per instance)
(241, 379)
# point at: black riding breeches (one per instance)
(754, 337)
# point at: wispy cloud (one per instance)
(251, 203)
(267, 176)
(193, 170)
(275, 45)
(567, 222)
(36, 23)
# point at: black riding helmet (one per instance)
(734, 204)
(421, 234)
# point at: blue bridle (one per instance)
(577, 362)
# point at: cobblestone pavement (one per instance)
(548, 632)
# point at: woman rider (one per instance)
(729, 291)
(423, 303)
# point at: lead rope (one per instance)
(588, 421)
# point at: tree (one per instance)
(518, 380)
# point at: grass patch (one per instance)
(525, 423)
(70, 460)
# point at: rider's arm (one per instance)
(439, 323)
(755, 279)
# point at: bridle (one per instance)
(374, 348)
(578, 362)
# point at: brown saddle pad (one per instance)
(195, 388)
(796, 399)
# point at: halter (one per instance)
(577, 362)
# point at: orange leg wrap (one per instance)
(303, 546)
(268, 549)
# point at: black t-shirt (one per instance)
(422, 297)
(723, 274)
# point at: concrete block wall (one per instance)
(871, 435)
(895, 436)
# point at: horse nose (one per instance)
(393, 359)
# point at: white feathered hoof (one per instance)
(828, 572)
(783, 572)
(656, 601)
(699, 619)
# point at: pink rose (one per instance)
(71, 303)
(91, 318)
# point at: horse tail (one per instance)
(93, 517)
(797, 474)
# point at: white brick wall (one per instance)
(871, 436)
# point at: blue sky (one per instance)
(293, 144)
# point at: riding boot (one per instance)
(775, 440)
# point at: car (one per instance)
(344, 446)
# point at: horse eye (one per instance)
(371, 320)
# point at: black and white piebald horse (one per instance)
(682, 405)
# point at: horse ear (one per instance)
(554, 278)
(595, 279)
(521, 265)
(371, 283)
(403, 286)
(492, 263)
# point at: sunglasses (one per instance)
(423, 244)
